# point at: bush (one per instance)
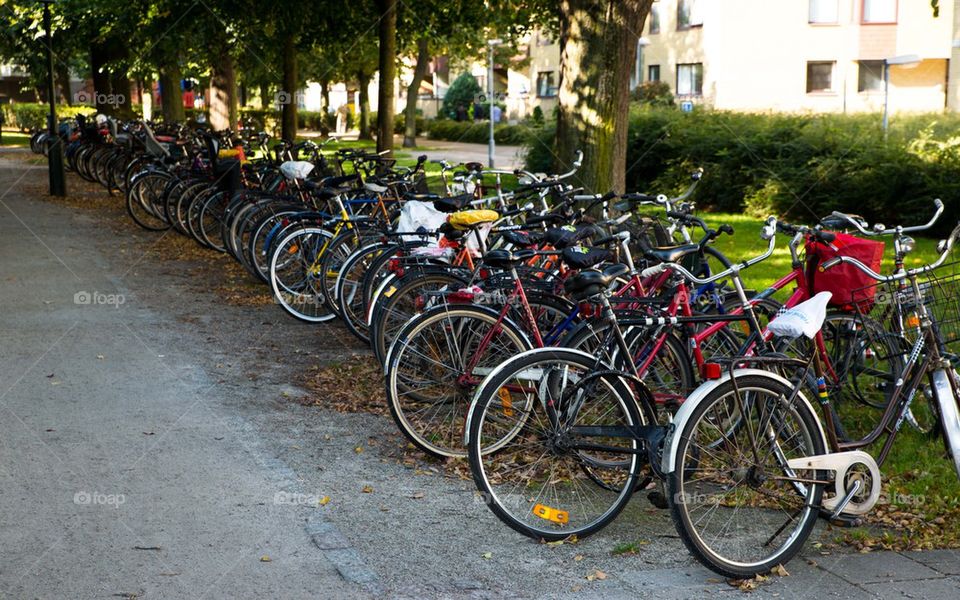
(400, 123)
(799, 167)
(463, 90)
(476, 132)
(29, 116)
(654, 93)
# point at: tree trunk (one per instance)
(598, 48)
(413, 90)
(287, 95)
(99, 55)
(264, 96)
(388, 72)
(223, 93)
(324, 94)
(170, 95)
(63, 77)
(364, 124)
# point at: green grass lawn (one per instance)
(14, 138)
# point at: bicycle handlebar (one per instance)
(859, 227)
(768, 233)
(947, 244)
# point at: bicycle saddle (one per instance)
(507, 259)
(472, 218)
(523, 239)
(453, 203)
(561, 237)
(592, 282)
(580, 257)
(671, 253)
(421, 197)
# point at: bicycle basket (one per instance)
(843, 280)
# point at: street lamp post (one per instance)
(491, 145)
(58, 182)
(906, 61)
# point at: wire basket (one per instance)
(939, 293)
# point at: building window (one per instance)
(688, 14)
(879, 11)
(823, 12)
(655, 18)
(653, 73)
(546, 84)
(690, 79)
(819, 76)
(871, 76)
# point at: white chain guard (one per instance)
(840, 463)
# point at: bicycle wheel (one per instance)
(349, 289)
(737, 506)
(434, 365)
(548, 445)
(294, 274)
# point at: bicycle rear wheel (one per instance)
(550, 445)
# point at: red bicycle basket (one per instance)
(843, 279)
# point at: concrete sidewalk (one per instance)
(150, 446)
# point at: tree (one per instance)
(598, 42)
(388, 73)
(462, 91)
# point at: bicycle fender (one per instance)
(672, 444)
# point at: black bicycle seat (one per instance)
(453, 203)
(580, 257)
(671, 253)
(506, 259)
(592, 282)
(523, 239)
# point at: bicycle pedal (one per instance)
(658, 499)
(841, 520)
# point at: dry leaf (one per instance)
(487, 555)
(324, 501)
(578, 557)
(367, 489)
(780, 570)
(265, 558)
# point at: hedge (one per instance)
(477, 132)
(801, 167)
(30, 116)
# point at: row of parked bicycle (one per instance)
(575, 347)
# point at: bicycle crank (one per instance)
(856, 481)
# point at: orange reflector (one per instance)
(506, 401)
(551, 514)
(913, 321)
(293, 249)
(711, 371)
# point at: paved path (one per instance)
(505, 157)
(150, 447)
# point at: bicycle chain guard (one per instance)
(842, 463)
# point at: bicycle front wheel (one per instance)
(737, 505)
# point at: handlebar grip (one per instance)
(829, 264)
(654, 270)
(727, 229)
(826, 236)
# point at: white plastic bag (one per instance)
(416, 214)
(805, 318)
(296, 169)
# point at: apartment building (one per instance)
(804, 55)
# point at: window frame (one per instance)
(684, 27)
(654, 10)
(695, 93)
(551, 87)
(649, 75)
(860, 68)
(810, 20)
(863, 13)
(833, 71)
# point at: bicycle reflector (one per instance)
(711, 371)
(553, 515)
(506, 401)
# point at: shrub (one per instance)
(799, 167)
(463, 90)
(476, 132)
(28, 116)
(654, 93)
(537, 116)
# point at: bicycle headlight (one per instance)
(907, 244)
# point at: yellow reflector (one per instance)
(506, 401)
(390, 292)
(551, 514)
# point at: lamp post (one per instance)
(58, 183)
(491, 144)
(906, 61)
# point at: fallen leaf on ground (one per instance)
(265, 558)
(367, 489)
